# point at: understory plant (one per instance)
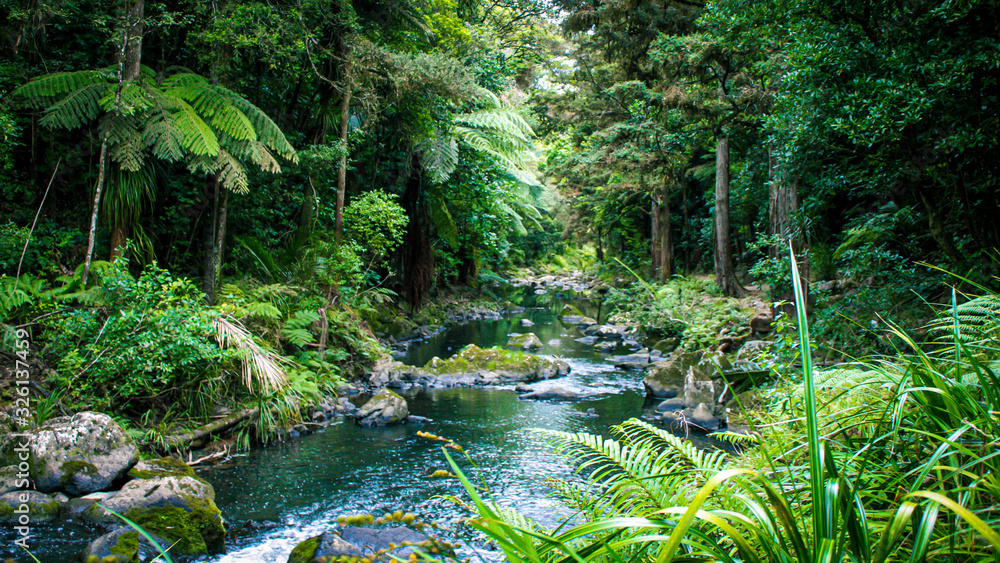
(904, 468)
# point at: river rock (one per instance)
(703, 418)
(77, 506)
(570, 311)
(40, 507)
(78, 455)
(180, 509)
(754, 350)
(525, 341)
(522, 388)
(527, 322)
(695, 376)
(11, 481)
(669, 405)
(125, 545)
(355, 541)
(667, 345)
(386, 407)
(556, 394)
(585, 322)
(479, 366)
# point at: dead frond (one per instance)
(261, 369)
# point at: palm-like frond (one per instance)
(261, 369)
(645, 470)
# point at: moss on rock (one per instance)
(162, 467)
(305, 551)
(75, 467)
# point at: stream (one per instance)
(277, 496)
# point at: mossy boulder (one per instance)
(78, 455)
(180, 509)
(124, 545)
(525, 341)
(497, 365)
(386, 407)
(40, 506)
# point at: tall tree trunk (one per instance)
(666, 266)
(937, 230)
(654, 236)
(345, 115)
(418, 254)
(725, 276)
(783, 203)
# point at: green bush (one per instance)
(139, 344)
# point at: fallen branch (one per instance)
(183, 440)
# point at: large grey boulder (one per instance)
(180, 509)
(386, 407)
(80, 454)
(11, 479)
(694, 376)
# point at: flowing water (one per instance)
(276, 496)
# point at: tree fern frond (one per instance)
(44, 90)
(267, 131)
(198, 136)
(126, 144)
(164, 138)
(642, 434)
(232, 173)
(515, 219)
(504, 121)
(262, 157)
(77, 109)
(439, 156)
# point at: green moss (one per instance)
(163, 467)
(127, 547)
(473, 358)
(195, 532)
(74, 467)
(305, 551)
(6, 512)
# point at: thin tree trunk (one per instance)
(345, 114)
(208, 280)
(93, 213)
(666, 266)
(220, 240)
(724, 274)
(654, 235)
(129, 59)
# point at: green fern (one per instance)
(645, 470)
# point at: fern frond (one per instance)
(45, 89)
(268, 132)
(197, 134)
(642, 434)
(164, 138)
(231, 172)
(439, 156)
(77, 109)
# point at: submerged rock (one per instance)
(353, 542)
(78, 455)
(386, 407)
(556, 394)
